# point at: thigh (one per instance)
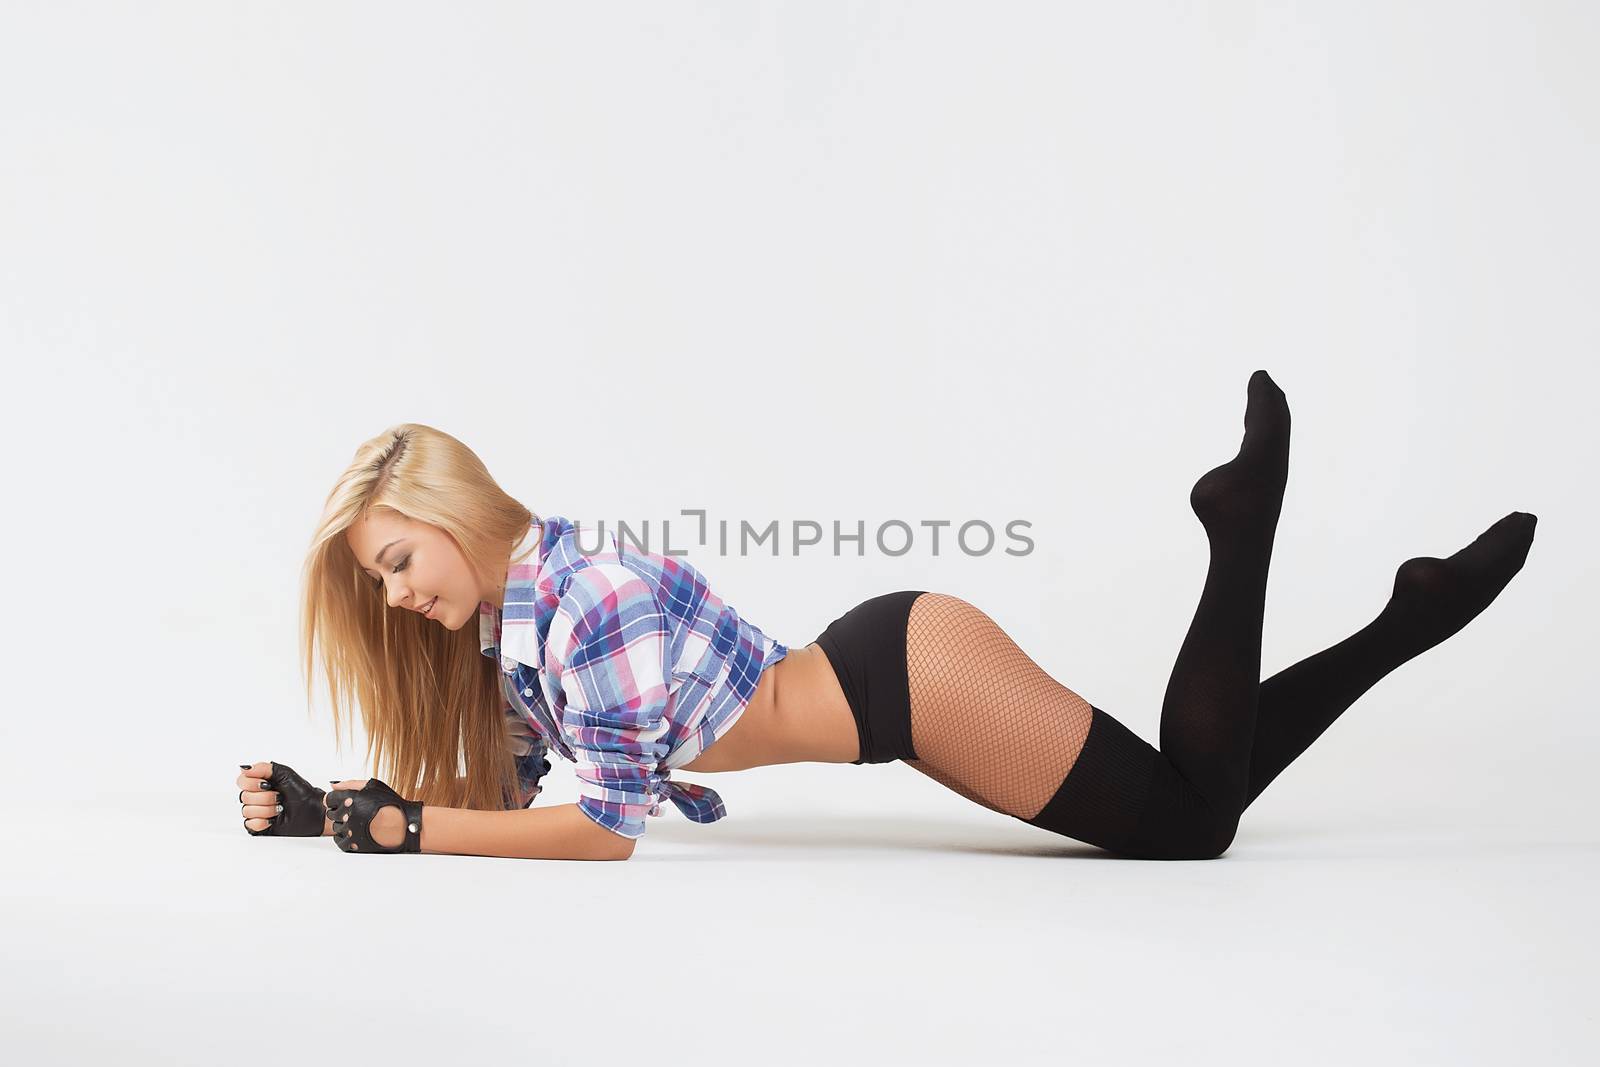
(986, 720)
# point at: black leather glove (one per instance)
(352, 822)
(301, 801)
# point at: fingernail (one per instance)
(244, 766)
(333, 781)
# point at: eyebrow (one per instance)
(386, 548)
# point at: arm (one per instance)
(608, 656)
(555, 832)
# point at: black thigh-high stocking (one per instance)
(1184, 801)
(1121, 794)
(1432, 600)
(1208, 717)
(988, 722)
(1198, 781)
(992, 725)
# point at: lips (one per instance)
(429, 608)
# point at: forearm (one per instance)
(522, 801)
(554, 832)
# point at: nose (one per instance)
(396, 595)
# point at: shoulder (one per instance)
(606, 600)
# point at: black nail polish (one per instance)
(244, 766)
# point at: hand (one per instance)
(368, 816)
(277, 802)
(528, 749)
(520, 735)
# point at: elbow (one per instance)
(607, 844)
(621, 847)
(618, 848)
(602, 837)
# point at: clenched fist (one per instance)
(277, 802)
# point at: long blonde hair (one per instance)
(430, 701)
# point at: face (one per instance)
(414, 563)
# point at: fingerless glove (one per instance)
(352, 823)
(302, 805)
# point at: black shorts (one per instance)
(867, 649)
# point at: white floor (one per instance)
(798, 931)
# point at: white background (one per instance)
(802, 261)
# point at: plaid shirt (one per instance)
(626, 664)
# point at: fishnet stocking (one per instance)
(986, 720)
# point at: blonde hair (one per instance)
(430, 701)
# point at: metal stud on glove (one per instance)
(352, 822)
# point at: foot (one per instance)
(1245, 495)
(1434, 598)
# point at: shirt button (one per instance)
(527, 692)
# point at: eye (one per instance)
(377, 583)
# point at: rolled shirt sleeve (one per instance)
(608, 654)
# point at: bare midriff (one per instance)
(798, 714)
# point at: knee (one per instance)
(1203, 846)
(1212, 844)
(1196, 836)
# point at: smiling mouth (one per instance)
(429, 608)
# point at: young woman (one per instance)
(628, 665)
